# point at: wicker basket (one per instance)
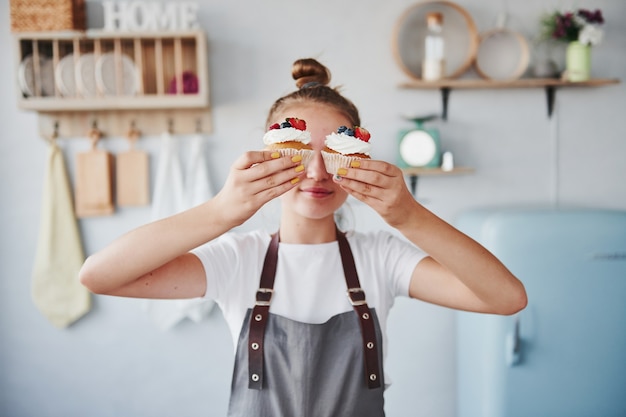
(45, 15)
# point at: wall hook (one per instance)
(94, 134)
(133, 133)
(55, 134)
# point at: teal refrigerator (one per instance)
(565, 354)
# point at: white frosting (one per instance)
(346, 145)
(287, 134)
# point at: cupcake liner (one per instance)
(306, 154)
(334, 161)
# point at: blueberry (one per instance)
(342, 129)
(349, 132)
(285, 124)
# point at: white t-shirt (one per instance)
(309, 286)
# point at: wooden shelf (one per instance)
(414, 173)
(138, 102)
(495, 84)
(158, 62)
(548, 84)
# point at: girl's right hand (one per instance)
(256, 178)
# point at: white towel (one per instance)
(56, 290)
(198, 181)
(172, 195)
(168, 196)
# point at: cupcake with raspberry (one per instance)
(344, 146)
(289, 138)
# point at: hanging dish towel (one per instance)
(198, 187)
(56, 290)
(170, 197)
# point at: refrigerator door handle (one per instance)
(513, 344)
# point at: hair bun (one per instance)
(309, 70)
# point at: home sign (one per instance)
(143, 16)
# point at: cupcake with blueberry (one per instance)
(289, 138)
(344, 146)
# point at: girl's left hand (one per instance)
(381, 186)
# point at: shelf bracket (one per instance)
(445, 95)
(550, 96)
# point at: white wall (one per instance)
(115, 362)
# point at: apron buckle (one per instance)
(264, 296)
(356, 296)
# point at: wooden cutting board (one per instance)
(132, 174)
(94, 169)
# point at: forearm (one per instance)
(148, 253)
(149, 247)
(472, 264)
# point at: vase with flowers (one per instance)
(581, 30)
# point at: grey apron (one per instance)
(293, 369)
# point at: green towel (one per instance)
(56, 290)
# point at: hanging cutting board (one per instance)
(132, 175)
(94, 193)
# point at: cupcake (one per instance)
(289, 138)
(344, 146)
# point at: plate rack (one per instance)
(148, 81)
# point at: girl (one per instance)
(307, 306)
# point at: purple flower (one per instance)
(568, 26)
(591, 17)
(597, 17)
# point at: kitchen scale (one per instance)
(419, 147)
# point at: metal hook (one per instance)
(55, 134)
(198, 125)
(170, 126)
(133, 133)
(94, 134)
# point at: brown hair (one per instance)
(312, 79)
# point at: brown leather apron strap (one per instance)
(356, 295)
(357, 299)
(260, 313)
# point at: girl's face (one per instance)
(317, 196)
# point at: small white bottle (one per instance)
(447, 161)
(434, 64)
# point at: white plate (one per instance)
(86, 75)
(106, 79)
(26, 76)
(64, 76)
(459, 34)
